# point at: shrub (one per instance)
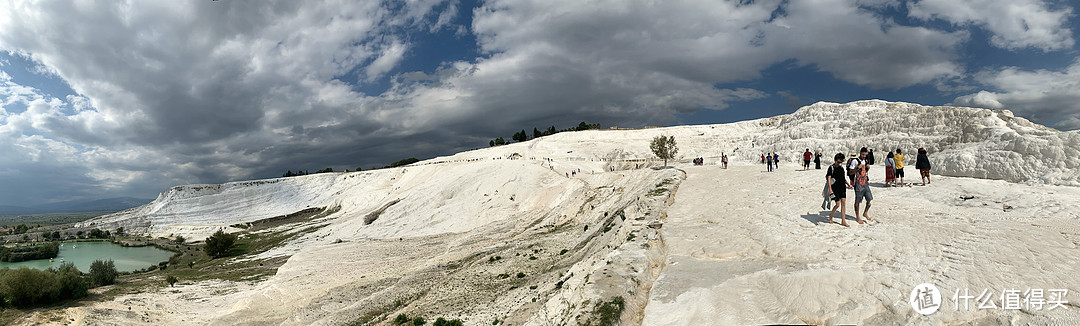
(419, 321)
(179, 239)
(25, 286)
(171, 280)
(401, 319)
(102, 272)
(219, 244)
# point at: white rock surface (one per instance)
(738, 246)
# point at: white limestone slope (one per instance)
(967, 142)
(441, 217)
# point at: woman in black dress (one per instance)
(836, 178)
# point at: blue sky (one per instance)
(128, 98)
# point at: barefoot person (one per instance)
(890, 170)
(922, 163)
(899, 160)
(862, 186)
(806, 156)
(838, 188)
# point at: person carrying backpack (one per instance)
(851, 164)
(862, 186)
(870, 160)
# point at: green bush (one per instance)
(103, 272)
(219, 244)
(26, 286)
(171, 280)
(401, 319)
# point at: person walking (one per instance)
(768, 160)
(899, 161)
(862, 186)
(762, 159)
(723, 159)
(817, 160)
(776, 160)
(922, 163)
(890, 170)
(837, 188)
(806, 159)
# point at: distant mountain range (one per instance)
(71, 206)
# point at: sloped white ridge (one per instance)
(742, 243)
(965, 142)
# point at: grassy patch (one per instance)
(606, 313)
(656, 192)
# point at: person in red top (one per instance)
(806, 156)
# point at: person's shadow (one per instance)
(823, 218)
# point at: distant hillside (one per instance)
(85, 205)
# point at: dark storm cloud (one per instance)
(212, 91)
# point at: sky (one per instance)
(114, 98)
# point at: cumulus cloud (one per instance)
(1047, 97)
(1014, 24)
(210, 91)
(860, 46)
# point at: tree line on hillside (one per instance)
(521, 136)
(17, 254)
(402, 162)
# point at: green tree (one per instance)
(71, 282)
(521, 136)
(103, 272)
(219, 244)
(664, 147)
(25, 286)
(171, 280)
(98, 234)
(537, 133)
(582, 126)
(119, 231)
(179, 239)
(500, 141)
